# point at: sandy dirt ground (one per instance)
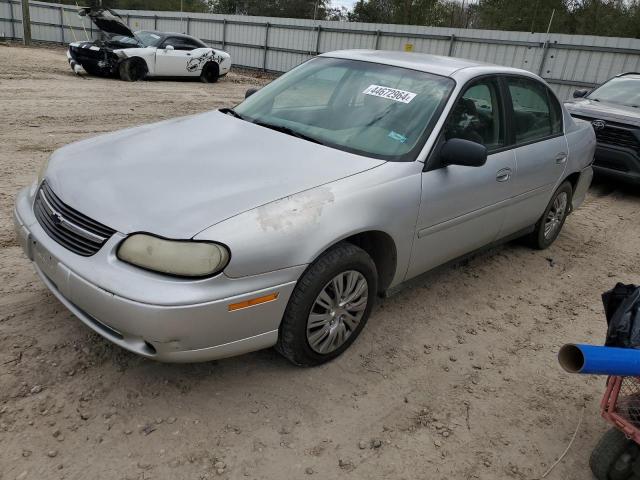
(454, 378)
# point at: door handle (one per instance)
(503, 175)
(561, 158)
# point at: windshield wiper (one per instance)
(232, 112)
(288, 131)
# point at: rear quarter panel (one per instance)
(581, 140)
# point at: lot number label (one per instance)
(390, 93)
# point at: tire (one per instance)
(351, 265)
(610, 447)
(132, 70)
(210, 73)
(539, 238)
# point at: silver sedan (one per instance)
(280, 221)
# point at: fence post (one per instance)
(126, 19)
(545, 49)
(155, 22)
(318, 40)
(26, 23)
(266, 47)
(224, 33)
(452, 45)
(377, 45)
(188, 25)
(61, 24)
(12, 20)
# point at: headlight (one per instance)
(43, 171)
(183, 258)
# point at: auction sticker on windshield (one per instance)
(390, 93)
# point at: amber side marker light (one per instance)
(254, 301)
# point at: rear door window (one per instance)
(536, 112)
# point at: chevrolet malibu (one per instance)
(279, 222)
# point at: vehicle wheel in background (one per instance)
(132, 70)
(550, 224)
(609, 449)
(329, 306)
(210, 73)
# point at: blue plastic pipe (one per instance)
(596, 360)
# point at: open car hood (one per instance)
(108, 21)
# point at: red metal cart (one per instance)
(617, 454)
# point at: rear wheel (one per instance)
(210, 73)
(550, 224)
(132, 70)
(329, 306)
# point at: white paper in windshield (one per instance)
(390, 93)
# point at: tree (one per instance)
(166, 5)
(372, 11)
(318, 9)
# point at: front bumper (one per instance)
(84, 57)
(620, 163)
(162, 318)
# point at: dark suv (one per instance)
(614, 111)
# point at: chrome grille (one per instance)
(67, 226)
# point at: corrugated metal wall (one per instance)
(278, 44)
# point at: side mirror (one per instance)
(580, 93)
(463, 152)
(250, 92)
(169, 47)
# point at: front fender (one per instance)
(295, 230)
(147, 54)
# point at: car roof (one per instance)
(439, 65)
(635, 75)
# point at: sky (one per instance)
(343, 3)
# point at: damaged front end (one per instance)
(93, 59)
(101, 57)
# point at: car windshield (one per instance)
(365, 108)
(148, 39)
(623, 90)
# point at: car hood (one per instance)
(108, 21)
(605, 111)
(178, 177)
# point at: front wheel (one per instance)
(329, 306)
(132, 70)
(550, 224)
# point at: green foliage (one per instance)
(319, 9)
(586, 17)
(166, 5)
(620, 18)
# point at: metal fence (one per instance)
(278, 44)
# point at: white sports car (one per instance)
(136, 55)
